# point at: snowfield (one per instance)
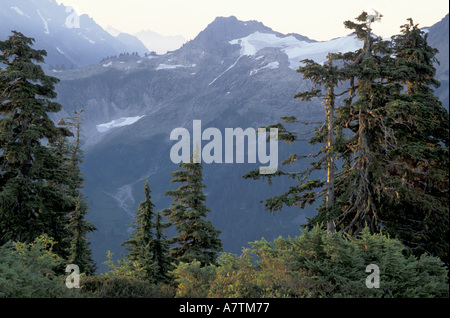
(124, 121)
(295, 49)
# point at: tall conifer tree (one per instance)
(416, 204)
(31, 200)
(140, 244)
(196, 239)
(79, 250)
(161, 249)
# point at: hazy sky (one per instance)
(318, 19)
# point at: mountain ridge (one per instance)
(70, 39)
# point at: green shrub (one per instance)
(192, 280)
(124, 287)
(316, 264)
(124, 279)
(29, 271)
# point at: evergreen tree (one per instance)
(327, 77)
(369, 73)
(161, 249)
(140, 244)
(31, 175)
(197, 239)
(148, 246)
(394, 175)
(79, 249)
(416, 204)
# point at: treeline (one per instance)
(381, 231)
(121, 55)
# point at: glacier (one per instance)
(124, 121)
(295, 49)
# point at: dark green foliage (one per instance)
(196, 239)
(148, 245)
(124, 287)
(161, 247)
(418, 166)
(32, 176)
(141, 241)
(395, 174)
(79, 251)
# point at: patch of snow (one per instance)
(295, 49)
(107, 64)
(271, 65)
(229, 68)
(20, 12)
(61, 51)
(91, 41)
(172, 66)
(139, 62)
(45, 22)
(124, 121)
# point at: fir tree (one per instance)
(368, 71)
(416, 204)
(31, 176)
(324, 77)
(140, 244)
(394, 174)
(147, 245)
(197, 239)
(79, 249)
(161, 249)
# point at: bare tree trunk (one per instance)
(329, 106)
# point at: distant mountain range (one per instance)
(233, 74)
(159, 43)
(69, 39)
(154, 42)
